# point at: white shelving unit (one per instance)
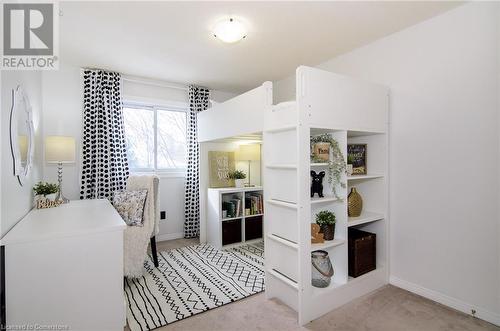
(216, 222)
(352, 112)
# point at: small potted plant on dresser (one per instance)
(326, 220)
(45, 190)
(239, 178)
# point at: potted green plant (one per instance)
(47, 190)
(349, 165)
(336, 164)
(326, 221)
(239, 178)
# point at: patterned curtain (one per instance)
(198, 101)
(104, 159)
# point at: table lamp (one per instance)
(250, 152)
(59, 150)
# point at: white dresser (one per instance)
(64, 266)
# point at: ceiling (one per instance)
(172, 41)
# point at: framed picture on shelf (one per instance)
(221, 164)
(356, 156)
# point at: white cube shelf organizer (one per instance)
(352, 112)
(243, 220)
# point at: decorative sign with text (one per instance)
(221, 164)
(356, 155)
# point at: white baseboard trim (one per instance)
(446, 300)
(169, 236)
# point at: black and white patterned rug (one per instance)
(191, 280)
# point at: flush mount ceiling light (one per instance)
(230, 30)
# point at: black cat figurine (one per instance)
(317, 183)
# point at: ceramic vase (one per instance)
(328, 231)
(239, 183)
(322, 269)
(354, 203)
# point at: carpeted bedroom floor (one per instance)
(388, 309)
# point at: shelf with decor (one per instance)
(361, 177)
(365, 217)
(328, 244)
(330, 113)
(325, 199)
(319, 164)
(235, 215)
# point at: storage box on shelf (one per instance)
(234, 215)
(362, 252)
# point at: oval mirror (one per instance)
(22, 134)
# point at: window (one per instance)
(156, 137)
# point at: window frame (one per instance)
(155, 107)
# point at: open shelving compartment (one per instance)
(351, 112)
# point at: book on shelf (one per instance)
(255, 203)
(232, 208)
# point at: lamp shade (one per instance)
(59, 149)
(248, 153)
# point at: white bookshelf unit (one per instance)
(351, 112)
(232, 217)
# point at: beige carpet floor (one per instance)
(388, 309)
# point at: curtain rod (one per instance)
(146, 81)
(154, 83)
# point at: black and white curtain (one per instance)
(198, 101)
(104, 155)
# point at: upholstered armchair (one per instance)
(137, 238)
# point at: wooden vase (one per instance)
(354, 203)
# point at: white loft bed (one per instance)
(240, 117)
(352, 112)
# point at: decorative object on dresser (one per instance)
(326, 220)
(235, 215)
(59, 150)
(316, 236)
(239, 178)
(22, 134)
(354, 203)
(322, 269)
(221, 165)
(77, 252)
(362, 252)
(317, 183)
(248, 153)
(356, 156)
(137, 238)
(45, 191)
(46, 203)
(336, 163)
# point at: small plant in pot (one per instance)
(239, 178)
(47, 190)
(326, 220)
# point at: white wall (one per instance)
(17, 200)
(62, 102)
(443, 77)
